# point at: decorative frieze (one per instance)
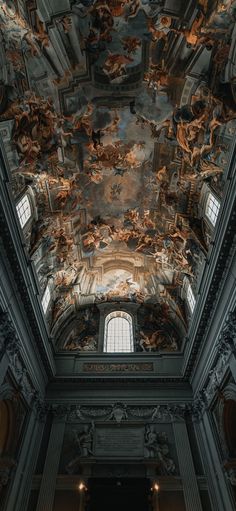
(120, 412)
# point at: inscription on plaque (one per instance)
(119, 442)
(118, 368)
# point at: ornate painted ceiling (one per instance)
(117, 112)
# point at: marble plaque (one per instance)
(119, 441)
(118, 367)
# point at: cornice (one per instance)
(121, 381)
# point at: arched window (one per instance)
(118, 333)
(23, 209)
(212, 208)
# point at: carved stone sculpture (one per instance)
(83, 441)
(156, 447)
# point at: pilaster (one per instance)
(187, 472)
(221, 495)
(24, 491)
(48, 483)
(21, 470)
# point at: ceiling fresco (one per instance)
(116, 111)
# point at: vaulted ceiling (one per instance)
(118, 112)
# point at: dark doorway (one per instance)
(122, 494)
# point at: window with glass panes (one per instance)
(23, 210)
(118, 333)
(46, 299)
(191, 298)
(212, 208)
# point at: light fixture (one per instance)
(156, 487)
(81, 486)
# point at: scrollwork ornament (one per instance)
(9, 339)
(178, 412)
(12, 344)
(141, 412)
(41, 408)
(60, 412)
(76, 414)
(228, 333)
(231, 475)
(198, 408)
(26, 388)
(2, 346)
(96, 412)
(162, 413)
(118, 413)
(6, 466)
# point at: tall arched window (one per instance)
(118, 333)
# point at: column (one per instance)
(208, 466)
(48, 483)
(187, 472)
